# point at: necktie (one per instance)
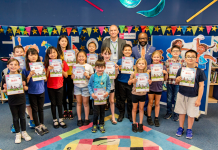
(143, 52)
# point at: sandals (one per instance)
(113, 122)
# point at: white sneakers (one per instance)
(23, 135)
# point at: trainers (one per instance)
(140, 127)
(62, 124)
(13, 129)
(168, 116)
(86, 122)
(70, 115)
(180, 131)
(79, 123)
(94, 128)
(39, 131)
(101, 128)
(65, 114)
(156, 122)
(18, 138)
(44, 128)
(31, 124)
(175, 117)
(25, 136)
(189, 134)
(149, 121)
(134, 128)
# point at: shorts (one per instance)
(84, 91)
(27, 99)
(112, 91)
(157, 93)
(186, 105)
(138, 98)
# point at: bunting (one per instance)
(5, 29)
(121, 28)
(101, 29)
(59, 29)
(194, 29)
(163, 28)
(39, 29)
(14, 29)
(151, 29)
(143, 28)
(28, 29)
(173, 29)
(90, 31)
(184, 29)
(129, 29)
(68, 30)
(79, 29)
(50, 30)
(22, 28)
(208, 29)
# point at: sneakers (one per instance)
(39, 131)
(13, 129)
(180, 131)
(65, 114)
(101, 128)
(18, 138)
(134, 128)
(156, 122)
(55, 123)
(86, 122)
(31, 124)
(25, 136)
(149, 121)
(44, 128)
(94, 128)
(189, 134)
(175, 117)
(140, 127)
(120, 118)
(70, 115)
(62, 124)
(168, 116)
(79, 123)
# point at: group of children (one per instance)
(188, 98)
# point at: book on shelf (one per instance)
(213, 77)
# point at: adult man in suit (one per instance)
(116, 45)
(143, 49)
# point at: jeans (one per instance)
(172, 91)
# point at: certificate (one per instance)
(69, 57)
(91, 59)
(21, 60)
(57, 71)
(142, 84)
(14, 84)
(100, 92)
(79, 71)
(127, 65)
(110, 69)
(173, 69)
(188, 76)
(157, 72)
(39, 73)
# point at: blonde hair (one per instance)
(136, 68)
(156, 52)
(106, 50)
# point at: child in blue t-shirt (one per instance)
(125, 89)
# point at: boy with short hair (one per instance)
(172, 86)
(99, 80)
(189, 98)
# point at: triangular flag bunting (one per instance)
(68, 30)
(59, 29)
(79, 29)
(173, 29)
(5, 28)
(121, 28)
(143, 28)
(194, 29)
(50, 30)
(14, 29)
(39, 29)
(89, 30)
(22, 29)
(129, 29)
(101, 29)
(28, 29)
(151, 29)
(0, 26)
(184, 29)
(163, 28)
(208, 29)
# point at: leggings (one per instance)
(68, 91)
(99, 110)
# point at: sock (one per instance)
(149, 116)
(156, 117)
(61, 121)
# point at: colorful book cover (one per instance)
(14, 84)
(127, 65)
(91, 59)
(157, 72)
(100, 92)
(142, 84)
(57, 71)
(39, 73)
(110, 69)
(70, 57)
(79, 71)
(21, 60)
(173, 69)
(188, 76)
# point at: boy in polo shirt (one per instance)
(189, 98)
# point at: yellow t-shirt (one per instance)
(69, 72)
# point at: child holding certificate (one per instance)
(17, 102)
(124, 88)
(189, 98)
(99, 88)
(55, 85)
(81, 89)
(159, 73)
(36, 90)
(138, 98)
(173, 64)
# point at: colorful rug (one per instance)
(116, 137)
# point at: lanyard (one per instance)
(114, 47)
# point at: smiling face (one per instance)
(113, 31)
(141, 65)
(13, 66)
(179, 43)
(32, 57)
(127, 51)
(100, 70)
(53, 54)
(18, 52)
(175, 52)
(201, 49)
(63, 43)
(91, 48)
(106, 56)
(81, 58)
(143, 39)
(190, 58)
(156, 58)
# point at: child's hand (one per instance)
(149, 71)
(5, 86)
(168, 69)
(62, 66)
(72, 76)
(164, 72)
(134, 80)
(50, 68)
(85, 74)
(44, 70)
(93, 96)
(31, 73)
(106, 95)
(197, 103)
(116, 67)
(178, 79)
(24, 83)
(76, 51)
(120, 67)
(149, 81)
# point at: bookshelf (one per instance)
(3, 99)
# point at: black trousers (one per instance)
(68, 91)
(55, 96)
(99, 110)
(18, 113)
(125, 93)
(117, 93)
(37, 102)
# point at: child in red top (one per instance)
(55, 86)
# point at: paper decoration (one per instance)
(101, 29)
(79, 29)
(14, 29)
(151, 29)
(99, 38)
(0, 26)
(136, 29)
(18, 31)
(68, 30)
(163, 28)
(156, 29)
(125, 29)
(75, 39)
(5, 28)
(74, 31)
(94, 5)
(130, 3)
(201, 29)
(89, 31)
(129, 29)
(83, 38)
(39, 29)
(173, 29)
(106, 30)
(184, 29)
(50, 30)
(179, 29)
(121, 28)
(208, 29)
(59, 29)
(121, 35)
(143, 28)
(95, 30)
(34, 31)
(194, 29)
(64, 30)
(214, 28)
(82, 48)
(28, 29)
(84, 30)
(55, 32)
(22, 28)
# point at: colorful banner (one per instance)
(163, 28)
(173, 29)
(5, 29)
(208, 29)
(14, 29)
(59, 29)
(39, 29)
(28, 29)
(143, 28)
(22, 28)
(50, 30)
(184, 29)
(194, 29)
(121, 28)
(79, 29)
(68, 30)
(151, 29)
(101, 29)
(89, 30)
(129, 29)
